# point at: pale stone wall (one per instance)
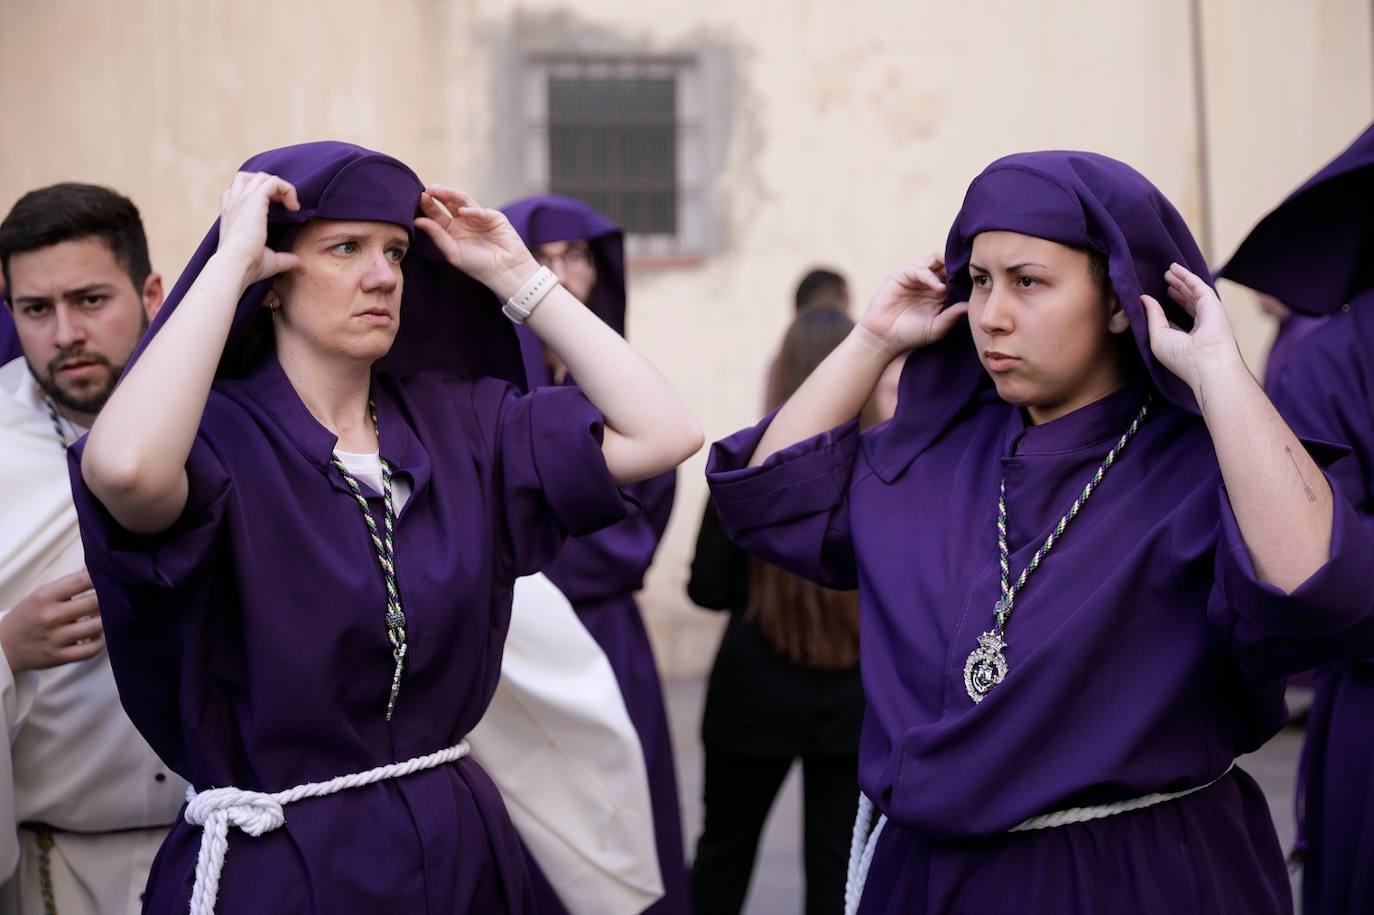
(844, 133)
(1288, 86)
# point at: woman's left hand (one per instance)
(478, 241)
(1210, 344)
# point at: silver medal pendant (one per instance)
(986, 666)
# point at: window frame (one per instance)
(689, 244)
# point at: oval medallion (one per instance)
(985, 667)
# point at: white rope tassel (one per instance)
(256, 813)
(861, 847)
(858, 838)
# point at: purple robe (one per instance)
(600, 572)
(1144, 653)
(1318, 248)
(250, 649)
(1327, 391)
(9, 336)
(1293, 331)
(248, 640)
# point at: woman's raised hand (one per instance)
(478, 241)
(243, 224)
(1188, 354)
(908, 310)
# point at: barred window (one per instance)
(624, 135)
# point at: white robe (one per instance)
(558, 742)
(72, 759)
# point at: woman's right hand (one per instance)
(243, 224)
(908, 310)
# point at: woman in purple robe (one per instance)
(1088, 551)
(1314, 249)
(601, 571)
(304, 508)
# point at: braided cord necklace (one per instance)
(56, 422)
(383, 542)
(987, 665)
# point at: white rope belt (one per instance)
(864, 840)
(861, 846)
(1086, 814)
(256, 812)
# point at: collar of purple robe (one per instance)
(268, 385)
(1075, 198)
(448, 319)
(549, 218)
(1098, 424)
(1315, 251)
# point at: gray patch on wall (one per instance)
(515, 43)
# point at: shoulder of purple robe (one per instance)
(791, 510)
(1330, 616)
(167, 560)
(146, 583)
(611, 562)
(1326, 392)
(551, 479)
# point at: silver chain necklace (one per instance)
(987, 665)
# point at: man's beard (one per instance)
(88, 402)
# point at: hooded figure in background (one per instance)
(1315, 252)
(600, 573)
(1065, 637)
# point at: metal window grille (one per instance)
(624, 135)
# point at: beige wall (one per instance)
(847, 133)
(1288, 85)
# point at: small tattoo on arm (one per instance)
(1307, 490)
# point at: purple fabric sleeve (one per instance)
(149, 585)
(1330, 615)
(612, 562)
(555, 483)
(172, 558)
(792, 510)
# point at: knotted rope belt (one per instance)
(256, 812)
(865, 836)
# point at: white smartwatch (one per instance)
(520, 306)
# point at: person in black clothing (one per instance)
(785, 685)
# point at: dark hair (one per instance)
(805, 623)
(69, 212)
(1098, 269)
(821, 286)
(1100, 273)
